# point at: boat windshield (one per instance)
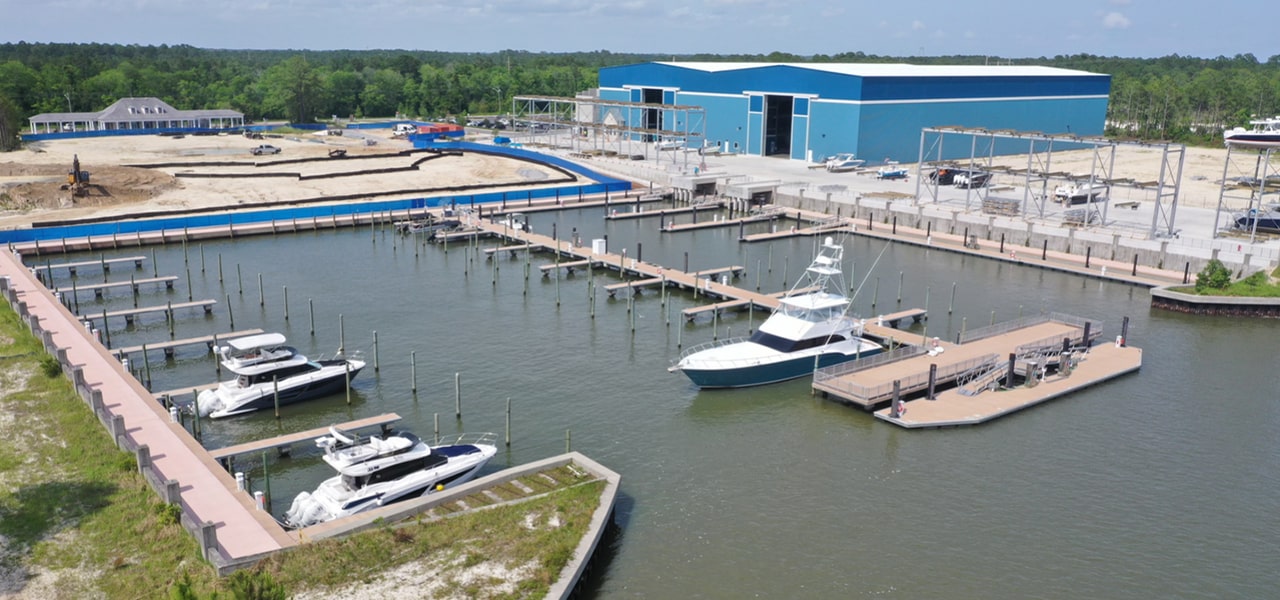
(813, 315)
(782, 344)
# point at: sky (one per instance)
(1005, 29)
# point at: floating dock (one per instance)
(97, 288)
(952, 408)
(281, 443)
(1016, 356)
(105, 263)
(130, 313)
(171, 345)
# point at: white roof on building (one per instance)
(891, 69)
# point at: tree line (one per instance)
(1177, 98)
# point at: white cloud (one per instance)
(1115, 20)
(917, 25)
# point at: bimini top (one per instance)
(262, 340)
(890, 69)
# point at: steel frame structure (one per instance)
(1265, 169)
(1038, 172)
(588, 121)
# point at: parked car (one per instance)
(264, 149)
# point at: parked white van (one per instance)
(404, 129)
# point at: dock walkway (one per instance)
(870, 382)
(130, 313)
(953, 409)
(105, 263)
(172, 345)
(97, 288)
(282, 442)
(208, 496)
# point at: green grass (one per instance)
(74, 501)
(1257, 285)
(78, 501)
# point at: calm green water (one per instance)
(1159, 484)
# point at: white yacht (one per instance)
(376, 471)
(843, 162)
(1262, 133)
(810, 328)
(1080, 193)
(264, 367)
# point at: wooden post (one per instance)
(146, 362)
(375, 350)
(347, 368)
(1088, 253)
(457, 395)
(1013, 365)
(230, 315)
(952, 306)
(413, 372)
(275, 393)
(201, 259)
(219, 267)
(933, 380)
(261, 297)
(342, 335)
(239, 279)
(1044, 250)
(311, 316)
(900, 276)
(195, 404)
(508, 421)
(895, 404)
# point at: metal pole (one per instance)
(311, 315)
(239, 279)
(275, 389)
(375, 349)
(457, 395)
(508, 421)
(230, 314)
(261, 298)
(413, 371)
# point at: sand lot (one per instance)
(31, 178)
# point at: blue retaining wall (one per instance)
(71, 135)
(602, 184)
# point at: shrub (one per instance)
(255, 585)
(50, 367)
(1214, 276)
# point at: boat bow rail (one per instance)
(861, 364)
(475, 439)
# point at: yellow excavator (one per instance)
(77, 180)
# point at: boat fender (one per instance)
(439, 487)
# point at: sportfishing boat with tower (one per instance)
(810, 328)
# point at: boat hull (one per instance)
(289, 394)
(766, 373)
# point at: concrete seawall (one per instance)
(1230, 306)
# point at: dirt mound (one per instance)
(27, 187)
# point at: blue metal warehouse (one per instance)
(807, 111)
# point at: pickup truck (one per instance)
(264, 149)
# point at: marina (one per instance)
(679, 524)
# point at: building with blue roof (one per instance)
(808, 111)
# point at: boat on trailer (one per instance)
(811, 328)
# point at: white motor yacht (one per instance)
(377, 471)
(268, 371)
